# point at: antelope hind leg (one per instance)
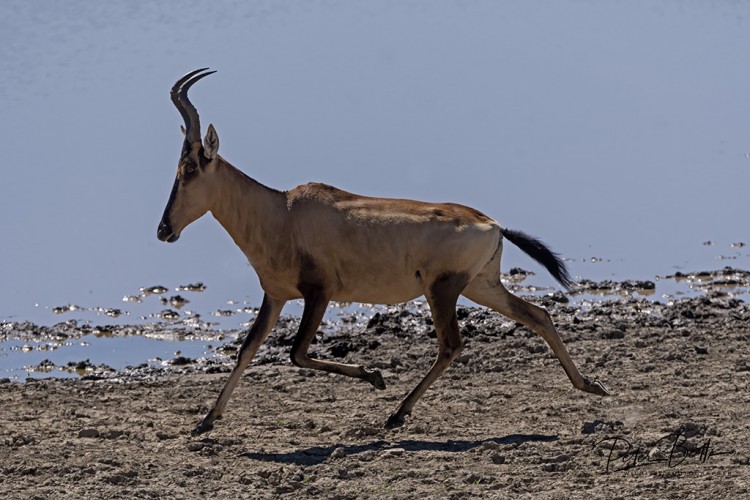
(494, 295)
(441, 297)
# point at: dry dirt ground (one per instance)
(503, 422)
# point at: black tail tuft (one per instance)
(538, 251)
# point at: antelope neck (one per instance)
(254, 215)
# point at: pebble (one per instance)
(490, 445)
(88, 433)
(393, 452)
(195, 446)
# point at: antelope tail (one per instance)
(538, 251)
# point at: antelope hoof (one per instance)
(376, 379)
(595, 388)
(204, 425)
(394, 421)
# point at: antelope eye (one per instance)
(189, 167)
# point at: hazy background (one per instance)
(612, 129)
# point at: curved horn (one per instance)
(185, 107)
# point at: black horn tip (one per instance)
(189, 78)
(185, 107)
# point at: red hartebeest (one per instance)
(319, 243)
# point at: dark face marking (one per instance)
(164, 231)
(189, 167)
(192, 161)
(187, 171)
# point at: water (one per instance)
(616, 131)
(62, 358)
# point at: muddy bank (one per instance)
(503, 421)
(347, 328)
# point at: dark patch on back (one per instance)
(466, 215)
(330, 193)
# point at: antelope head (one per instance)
(190, 195)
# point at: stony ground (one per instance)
(503, 422)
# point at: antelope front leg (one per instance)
(264, 322)
(316, 302)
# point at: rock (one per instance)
(558, 297)
(112, 434)
(338, 453)
(613, 334)
(490, 445)
(393, 452)
(691, 429)
(341, 349)
(601, 426)
(88, 433)
(121, 477)
(180, 361)
(473, 478)
(195, 446)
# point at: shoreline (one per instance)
(723, 284)
(502, 421)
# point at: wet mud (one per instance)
(504, 421)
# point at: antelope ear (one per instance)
(211, 143)
(182, 129)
